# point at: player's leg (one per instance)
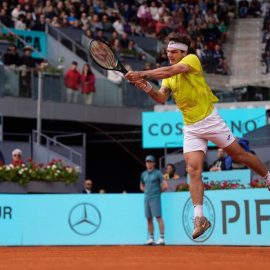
(220, 134)
(155, 206)
(194, 162)
(161, 231)
(195, 148)
(150, 225)
(252, 161)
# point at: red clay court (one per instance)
(134, 257)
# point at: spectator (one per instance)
(130, 51)
(224, 31)
(161, 27)
(102, 191)
(72, 82)
(170, 173)
(118, 26)
(266, 53)
(88, 80)
(2, 159)
(222, 67)
(29, 20)
(265, 7)
(219, 163)
(40, 24)
(255, 8)
(154, 11)
(20, 22)
(26, 69)
(124, 41)
(16, 12)
(100, 36)
(87, 186)
(217, 55)
(243, 7)
(144, 13)
(5, 18)
(152, 184)
(89, 34)
(96, 23)
(55, 22)
(106, 24)
(206, 55)
(85, 20)
(11, 57)
(16, 158)
(117, 47)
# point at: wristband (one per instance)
(148, 87)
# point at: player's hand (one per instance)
(133, 76)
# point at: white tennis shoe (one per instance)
(160, 242)
(150, 242)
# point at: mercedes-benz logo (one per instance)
(84, 219)
(188, 219)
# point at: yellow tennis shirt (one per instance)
(191, 93)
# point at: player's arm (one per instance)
(158, 73)
(159, 96)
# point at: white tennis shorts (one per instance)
(212, 128)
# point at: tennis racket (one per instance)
(104, 56)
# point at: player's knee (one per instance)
(194, 171)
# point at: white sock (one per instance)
(198, 210)
(267, 178)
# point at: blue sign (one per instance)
(238, 217)
(37, 39)
(237, 176)
(164, 129)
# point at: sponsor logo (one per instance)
(84, 219)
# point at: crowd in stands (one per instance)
(24, 64)
(266, 36)
(117, 22)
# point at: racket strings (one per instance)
(103, 55)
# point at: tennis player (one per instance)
(184, 79)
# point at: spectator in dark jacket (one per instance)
(27, 65)
(2, 159)
(11, 57)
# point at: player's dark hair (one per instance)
(178, 38)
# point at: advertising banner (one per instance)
(165, 129)
(238, 217)
(37, 39)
